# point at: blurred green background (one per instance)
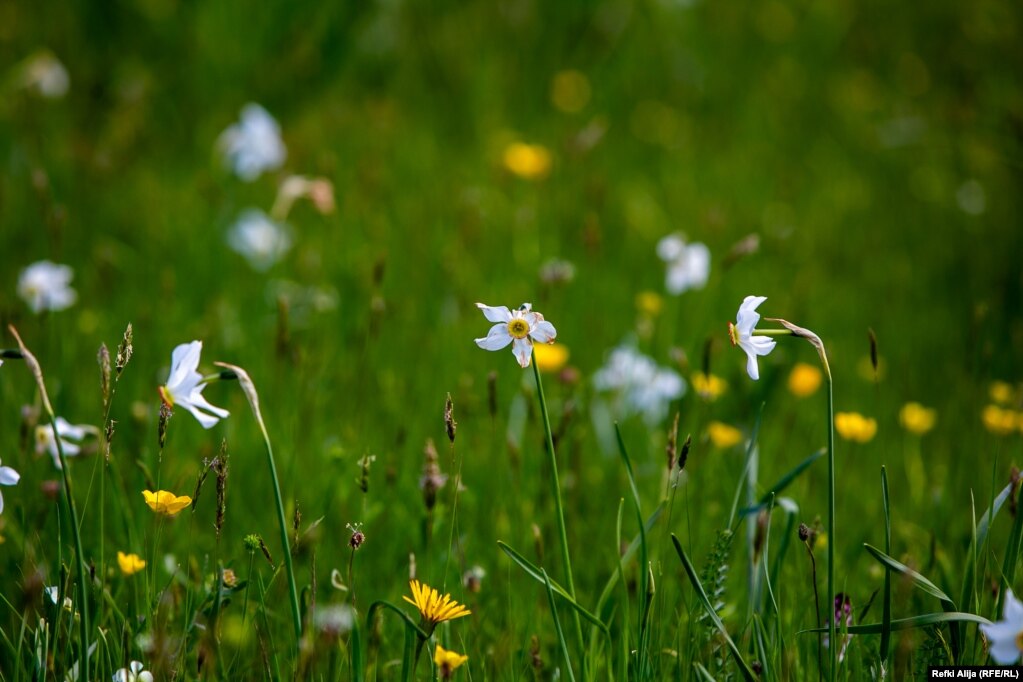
(874, 148)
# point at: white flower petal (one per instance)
(544, 332)
(1, 503)
(761, 345)
(495, 313)
(136, 667)
(496, 339)
(1005, 651)
(747, 317)
(9, 476)
(206, 420)
(670, 247)
(523, 350)
(145, 676)
(751, 364)
(184, 361)
(1013, 609)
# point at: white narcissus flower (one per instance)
(71, 437)
(185, 385)
(8, 476)
(518, 328)
(640, 384)
(688, 264)
(1006, 636)
(742, 336)
(260, 239)
(253, 145)
(47, 286)
(133, 673)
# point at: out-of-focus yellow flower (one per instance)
(916, 418)
(130, 563)
(649, 303)
(432, 606)
(447, 661)
(529, 161)
(570, 91)
(821, 541)
(550, 357)
(1002, 392)
(854, 426)
(722, 435)
(163, 502)
(999, 421)
(708, 386)
(804, 380)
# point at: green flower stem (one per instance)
(72, 511)
(833, 648)
(558, 508)
(772, 332)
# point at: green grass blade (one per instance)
(918, 580)
(784, 482)
(644, 606)
(702, 673)
(746, 470)
(357, 660)
(538, 574)
(886, 598)
(1011, 559)
(923, 621)
(557, 625)
(740, 663)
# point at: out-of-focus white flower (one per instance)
(688, 264)
(742, 336)
(47, 286)
(185, 385)
(133, 673)
(43, 73)
(8, 476)
(1006, 636)
(518, 328)
(254, 144)
(334, 619)
(642, 387)
(71, 437)
(262, 241)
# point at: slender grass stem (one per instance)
(833, 649)
(559, 511)
(69, 504)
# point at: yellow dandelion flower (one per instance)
(804, 380)
(163, 502)
(1002, 392)
(649, 303)
(999, 421)
(855, 427)
(447, 661)
(916, 418)
(130, 563)
(529, 161)
(550, 357)
(432, 606)
(708, 386)
(722, 435)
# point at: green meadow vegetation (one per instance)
(250, 427)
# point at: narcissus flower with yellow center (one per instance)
(742, 336)
(1006, 636)
(518, 327)
(164, 502)
(185, 385)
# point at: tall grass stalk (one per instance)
(559, 511)
(69, 502)
(250, 393)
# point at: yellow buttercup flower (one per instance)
(649, 303)
(163, 502)
(529, 161)
(1001, 421)
(1002, 392)
(708, 386)
(722, 435)
(916, 418)
(130, 563)
(804, 380)
(550, 357)
(854, 426)
(447, 661)
(432, 606)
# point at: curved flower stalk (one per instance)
(744, 334)
(235, 372)
(185, 385)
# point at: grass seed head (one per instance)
(432, 479)
(124, 351)
(449, 419)
(103, 358)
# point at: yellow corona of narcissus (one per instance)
(722, 435)
(130, 563)
(164, 502)
(804, 380)
(855, 427)
(916, 418)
